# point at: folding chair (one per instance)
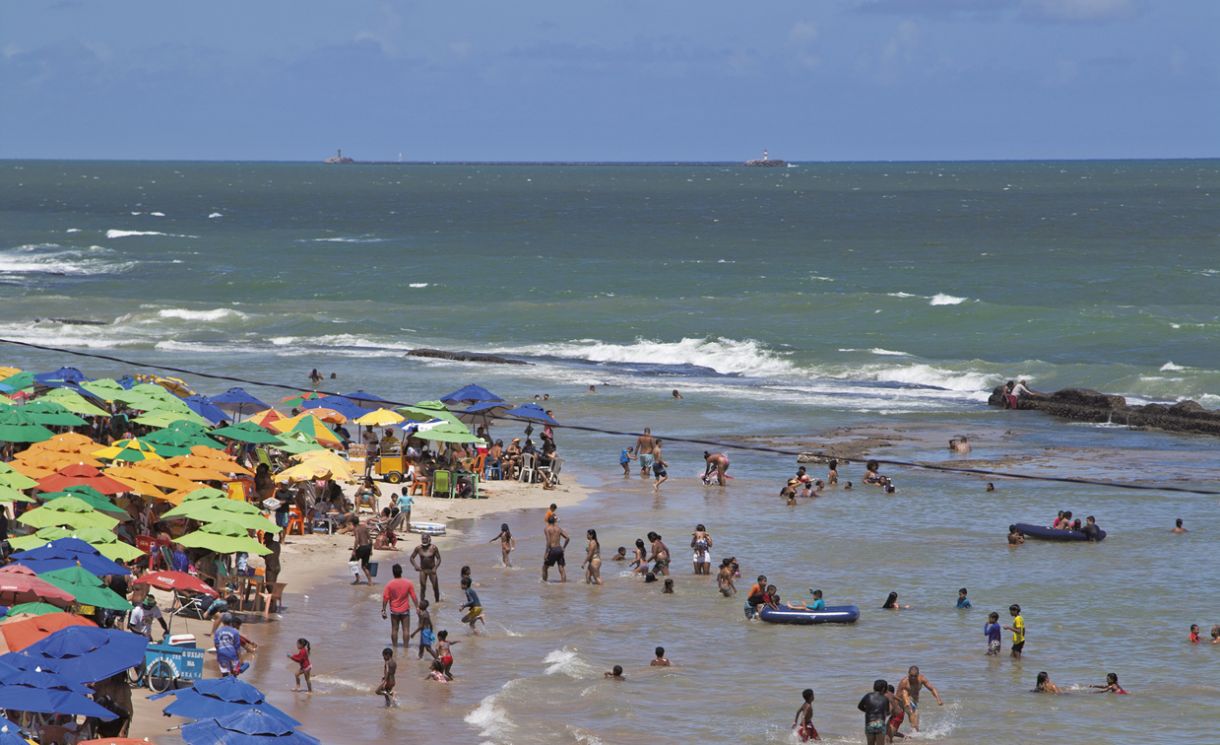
(527, 473)
(441, 483)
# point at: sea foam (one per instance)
(941, 298)
(725, 356)
(215, 314)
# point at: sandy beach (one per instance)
(308, 560)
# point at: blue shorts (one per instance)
(427, 637)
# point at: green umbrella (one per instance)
(246, 432)
(105, 541)
(446, 433)
(428, 410)
(204, 493)
(297, 442)
(14, 479)
(18, 426)
(52, 414)
(19, 381)
(223, 538)
(173, 441)
(86, 588)
(104, 388)
(95, 500)
(73, 402)
(69, 511)
(241, 514)
(40, 538)
(163, 417)
(33, 609)
(9, 494)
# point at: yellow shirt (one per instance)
(1018, 633)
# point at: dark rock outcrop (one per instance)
(1082, 405)
(443, 354)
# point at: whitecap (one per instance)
(567, 662)
(900, 294)
(941, 298)
(725, 356)
(214, 215)
(72, 230)
(114, 233)
(490, 719)
(185, 314)
(157, 214)
(418, 285)
(346, 239)
(1170, 367)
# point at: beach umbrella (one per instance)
(103, 388)
(471, 394)
(7, 371)
(203, 406)
(84, 653)
(176, 582)
(180, 438)
(308, 424)
(483, 413)
(531, 412)
(74, 402)
(86, 588)
(223, 538)
(211, 511)
(50, 461)
(18, 426)
(14, 479)
(18, 382)
(161, 417)
(266, 418)
(426, 411)
(67, 442)
(249, 726)
(309, 471)
(246, 432)
(366, 400)
(113, 741)
(380, 418)
(238, 402)
(155, 473)
(105, 541)
(67, 552)
(297, 443)
(217, 697)
(297, 399)
(48, 693)
(51, 414)
(446, 432)
(67, 511)
(10, 734)
(346, 407)
(33, 609)
(205, 492)
(21, 634)
(90, 497)
(9, 494)
(62, 375)
(81, 475)
(17, 587)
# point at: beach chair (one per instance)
(527, 473)
(296, 522)
(553, 470)
(273, 597)
(441, 483)
(495, 468)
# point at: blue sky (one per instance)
(619, 80)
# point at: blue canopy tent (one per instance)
(62, 553)
(44, 692)
(471, 394)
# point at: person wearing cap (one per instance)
(228, 642)
(141, 618)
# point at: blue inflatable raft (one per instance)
(1044, 533)
(829, 614)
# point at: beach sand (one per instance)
(302, 555)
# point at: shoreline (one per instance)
(308, 560)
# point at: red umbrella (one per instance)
(168, 580)
(80, 474)
(18, 569)
(17, 588)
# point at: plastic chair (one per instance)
(528, 472)
(495, 468)
(296, 522)
(441, 483)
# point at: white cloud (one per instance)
(1080, 11)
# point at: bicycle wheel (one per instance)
(135, 676)
(160, 676)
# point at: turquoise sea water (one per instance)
(795, 305)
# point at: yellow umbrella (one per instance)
(310, 425)
(129, 450)
(224, 464)
(8, 372)
(316, 469)
(380, 418)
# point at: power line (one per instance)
(616, 433)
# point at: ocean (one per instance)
(869, 303)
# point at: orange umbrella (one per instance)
(135, 486)
(31, 470)
(327, 415)
(224, 464)
(20, 634)
(266, 417)
(81, 475)
(55, 459)
(149, 474)
(68, 442)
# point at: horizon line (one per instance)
(4, 159)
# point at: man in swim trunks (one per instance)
(362, 549)
(426, 559)
(660, 469)
(397, 596)
(876, 708)
(908, 693)
(644, 445)
(556, 542)
(660, 554)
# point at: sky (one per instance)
(622, 80)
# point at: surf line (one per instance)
(669, 438)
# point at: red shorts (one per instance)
(897, 720)
(807, 733)
(447, 659)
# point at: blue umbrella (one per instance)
(366, 400)
(61, 376)
(204, 407)
(48, 693)
(10, 733)
(62, 553)
(532, 412)
(127, 382)
(341, 404)
(217, 702)
(250, 726)
(237, 401)
(471, 394)
(84, 653)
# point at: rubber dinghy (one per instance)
(829, 614)
(1044, 533)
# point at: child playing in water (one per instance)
(1111, 685)
(724, 579)
(303, 665)
(803, 723)
(389, 669)
(625, 458)
(437, 672)
(444, 652)
(616, 673)
(507, 543)
(621, 555)
(660, 660)
(992, 630)
(668, 589)
(426, 637)
(1194, 633)
(472, 606)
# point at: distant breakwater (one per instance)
(1083, 405)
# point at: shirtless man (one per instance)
(718, 462)
(426, 559)
(660, 555)
(644, 445)
(556, 542)
(908, 693)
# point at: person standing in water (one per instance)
(718, 463)
(660, 469)
(660, 554)
(701, 542)
(507, 543)
(388, 671)
(593, 558)
(908, 693)
(803, 722)
(397, 596)
(556, 541)
(1017, 629)
(643, 451)
(876, 708)
(426, 559)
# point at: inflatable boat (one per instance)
(427, 528)
(829, 614)
(1043, 533)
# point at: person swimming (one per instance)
(1044, 684)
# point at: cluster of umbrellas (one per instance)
(230, 710)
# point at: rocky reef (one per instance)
(1083, 405)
